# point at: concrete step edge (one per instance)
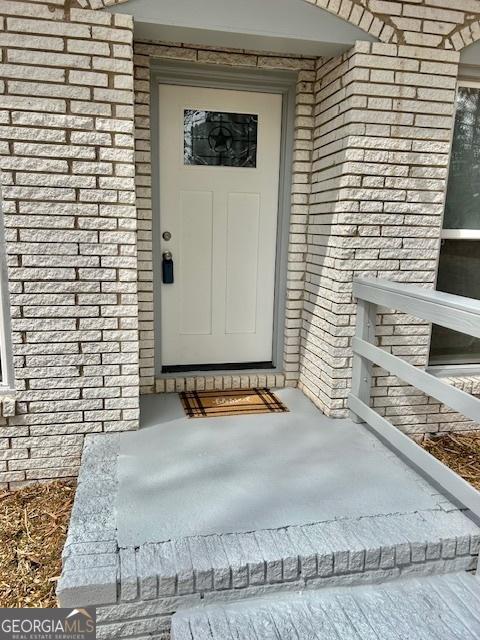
(428, 608)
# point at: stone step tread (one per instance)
(308, 552)
(310, 556)
(430, 608)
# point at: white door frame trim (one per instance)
(281, 82)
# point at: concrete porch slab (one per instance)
(182, 477)
(139, 563)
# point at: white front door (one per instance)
(219, 180)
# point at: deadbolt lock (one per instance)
(167, 267)
(166, 235)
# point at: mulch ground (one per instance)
(33, 527)
(460, 452)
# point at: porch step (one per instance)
(247, 564)
(332, 553)
(432, 608)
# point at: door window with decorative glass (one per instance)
(220, 138)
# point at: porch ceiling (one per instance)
(278, 26)
(180, 477)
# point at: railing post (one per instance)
(361, 367)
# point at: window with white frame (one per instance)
(459, 265)
(6, 358)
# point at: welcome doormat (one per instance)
(208, 404)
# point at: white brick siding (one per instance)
(69, 203)
(372, 138)
(424, 23)
(383, 124)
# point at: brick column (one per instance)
(69, 201)
(382, 140)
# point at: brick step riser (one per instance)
(151, 613)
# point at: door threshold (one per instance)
(229, 366)
(207, 380)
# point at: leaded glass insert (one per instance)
(221, 139)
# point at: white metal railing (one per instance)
(454, 312)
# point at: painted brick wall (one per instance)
(68, 189)
(301, 172)
(384, 117)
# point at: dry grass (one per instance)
(460, 452)
(33, 526)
